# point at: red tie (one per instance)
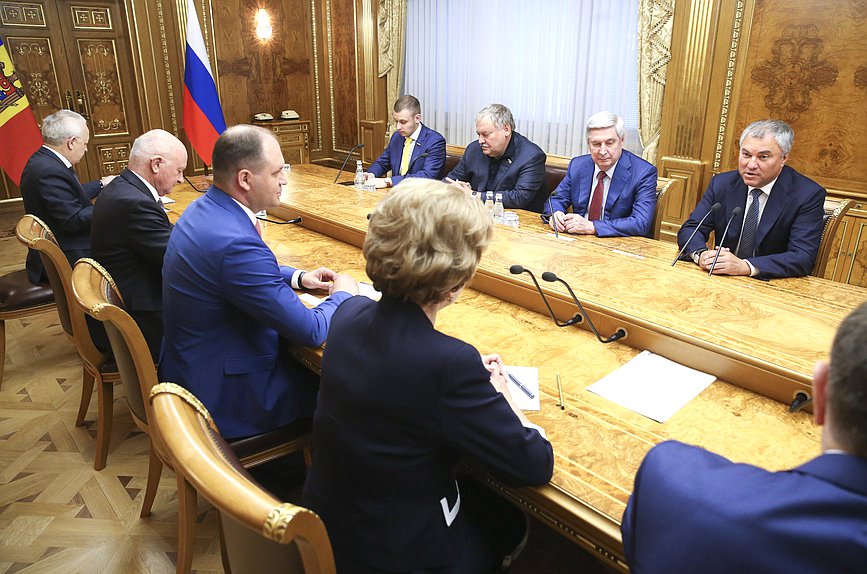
(595, 211)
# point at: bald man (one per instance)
(130, 230)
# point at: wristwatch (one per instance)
(696, 255)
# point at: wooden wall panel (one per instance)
(344, 85)
(805, 64)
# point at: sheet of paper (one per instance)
(652, 386)
(164, 199)
(368, 291)
(529, 378)
(309, 299)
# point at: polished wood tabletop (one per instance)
(598, 445)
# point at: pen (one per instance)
(521, 386)
(560, 390)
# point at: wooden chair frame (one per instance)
(835, 211)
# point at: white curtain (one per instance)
(552, 62)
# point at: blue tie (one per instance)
(751, 223)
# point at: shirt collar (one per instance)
(416, 133)
(609, 172)
(65, 161)
(151, 188)
(766, 189)
(246, 209)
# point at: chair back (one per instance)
(96, 293)
(34, 234)
(835, 211)
(663, 195)
(262, 534)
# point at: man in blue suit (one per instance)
(415, 150)
(227, 303)
(51, 190)
(612, 191)
(501, 160)
(779, 225)
(694, 511)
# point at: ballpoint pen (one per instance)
(560, 390)
(521, 386)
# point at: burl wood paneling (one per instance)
(807, 64)
(343, 80)
(264, 76)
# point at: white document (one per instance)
(368, 291)
(529, 379)
(309, 299)
(652, 386)
(164, 199)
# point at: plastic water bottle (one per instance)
(498, 208)
(359, 176)
(489, 203)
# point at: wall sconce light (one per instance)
(263, 25)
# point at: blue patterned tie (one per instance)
(751, 223)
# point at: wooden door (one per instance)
(75, 54)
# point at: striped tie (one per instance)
(594, 213)
(751, 223)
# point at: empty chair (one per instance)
(98, 367)
(260, 533)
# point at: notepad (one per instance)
(529, 377)
(652, 385)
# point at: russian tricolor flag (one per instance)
(203, 116)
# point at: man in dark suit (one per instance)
(501, 160)
(779, 226)
(227, 303)
(694, 511)
(130, 229)
(403, 156)
(52, 192)
(612, 191)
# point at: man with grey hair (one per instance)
(778, 225)
(502, 160)
(52, 192)
(130, 229)
(612, 192)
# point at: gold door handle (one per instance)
(82, 104)
(68, 97)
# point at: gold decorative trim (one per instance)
(88, 86)
(42, 231)
(105, 274)
(330, 46)
(27, 10)
(190, 398)
(92, 10)
(278, 521)
(318, 103)
(729, 83)
(163, 42)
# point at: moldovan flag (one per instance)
(19, 134)
(203, 116)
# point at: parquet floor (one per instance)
(57, 514)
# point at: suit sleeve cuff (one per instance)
(295, 281)
(753, 270)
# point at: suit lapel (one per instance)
(618, 182)
(419, 146)
(735, 197)
(73, 176)
(777, 201)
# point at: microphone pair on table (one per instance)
(361, 145)
(578, 317)
(715, 207)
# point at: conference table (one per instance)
(759, 338)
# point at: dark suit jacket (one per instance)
(694, 511)
(631, 201)
(429, 142)
(226, 306)
(399, 404)
(520, 178)
(53, 193)
(128, 236)
(789, 232)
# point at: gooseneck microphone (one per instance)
(618, 334)
(346, 159)
(735, 212)
(415, 159)
(714, 207)
(517, 270)
(551, 210)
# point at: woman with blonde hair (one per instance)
(400, 404)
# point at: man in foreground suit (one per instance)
(502, 160)
(130, 229)
(694, 511)
(227, 304)
(779, 227)
(51, 190)
(612, 191)
(403, 156)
